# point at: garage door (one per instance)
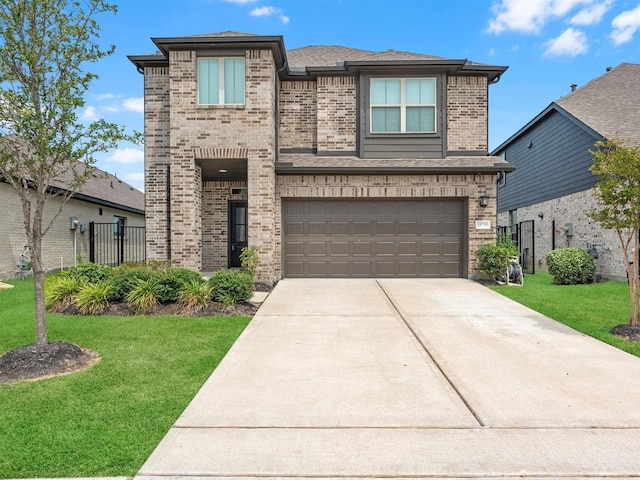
(372, 238)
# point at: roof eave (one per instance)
(290, 169)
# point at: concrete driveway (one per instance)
(407, 378)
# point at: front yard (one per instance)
(592, 309)
(106, 420)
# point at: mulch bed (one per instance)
(626, 332)
(32, 362)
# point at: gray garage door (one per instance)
(373, 238)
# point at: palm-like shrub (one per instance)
(61, 292)
(145, 294)
(93, 298)
(194, 295)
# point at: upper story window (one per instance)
(403, 105)
(221, 81)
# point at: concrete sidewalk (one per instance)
(407, 378)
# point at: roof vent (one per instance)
(573, 87)
(608, 69)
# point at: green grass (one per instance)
(591, 309)
(104, 421)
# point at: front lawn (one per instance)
(104, 421)
(591, 309)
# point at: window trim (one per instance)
(221, 80)
(403, 106)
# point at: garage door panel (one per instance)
(369, 238)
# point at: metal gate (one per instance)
(114, 243)
(523, 235)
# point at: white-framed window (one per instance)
(221, 81)
(403, 105)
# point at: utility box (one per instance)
(73, 223)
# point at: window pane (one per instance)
(421, 91)
(208, 81)
(234, 80)
(385, 119)
(421, 119)
(385, 92)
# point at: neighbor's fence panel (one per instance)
(114, 244)
(523, 235)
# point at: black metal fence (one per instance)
(114, 244)
(523, 234)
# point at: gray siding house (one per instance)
(333, 161)
(552, 183)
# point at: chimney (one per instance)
(573, 87)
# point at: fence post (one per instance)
(92, 242)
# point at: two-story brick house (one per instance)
(334, 161)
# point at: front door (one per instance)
(238, 222)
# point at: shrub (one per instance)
(493, 260)
(125, 279)
(250, 260)
(173, 279)
(194, 294)
(93, 298)
(145, 294)
(571, 266)
(230, 286)
(89, 272)
(60, 292)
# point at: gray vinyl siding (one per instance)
(401, 145)
(552, 160)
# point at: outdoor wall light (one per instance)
(484, 201)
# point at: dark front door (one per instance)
(238, 220)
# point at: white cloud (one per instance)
(134, 104)
(591, 15)
(106, 96)
(269, 11)
(529, 15)
(625, 26)
(240, 2)
(90, 114)
(571, 42)
(127, 155)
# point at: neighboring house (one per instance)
(335, 162)
(552, 183)
(103, 199)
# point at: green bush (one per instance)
(230, 286)
(93, 298)
(493, 260)
(571, 266)
(125, 279)
(173, 279)
(89, 272)
(250, 260)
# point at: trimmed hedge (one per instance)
(571, 266)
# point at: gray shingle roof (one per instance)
(331, 55)
(609, 104)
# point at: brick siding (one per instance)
(336, 114)
(467, 114)
(298, 115)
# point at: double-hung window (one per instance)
(403, 105)
(221, 81)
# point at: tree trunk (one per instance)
(635, 277)
(38, 287)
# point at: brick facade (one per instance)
(336, 114)
(298, 115)
(467, 114)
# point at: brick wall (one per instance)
(157, 160)
(336, 114)
(571, 209)
(467, 113)
(298, 114)
(391, 186)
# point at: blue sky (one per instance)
(547, 45)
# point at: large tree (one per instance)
(45, 48)
(617, 165)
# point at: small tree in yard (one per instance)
(44, 47)
(618, 191)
